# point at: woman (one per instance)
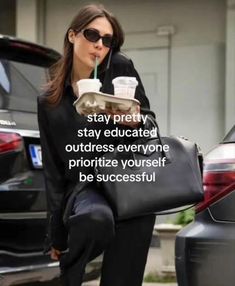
(90, 228)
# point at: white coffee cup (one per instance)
(125, 86)
(88, 85)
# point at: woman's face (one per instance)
(85, 51)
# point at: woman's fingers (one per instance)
(133, 123)
(55, 254)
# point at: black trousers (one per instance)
(92, 231)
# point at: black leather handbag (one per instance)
(175, 181)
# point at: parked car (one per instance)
(205, 249)
(23, 71)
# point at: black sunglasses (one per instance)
(93, 36)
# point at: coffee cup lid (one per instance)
(125, 80)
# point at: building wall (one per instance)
(195, 57)
(197, 22)
(187, 90)
(230, 65)
(183, 72)
(7, 17)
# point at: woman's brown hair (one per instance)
(62, 68)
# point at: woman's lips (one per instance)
(94, 56)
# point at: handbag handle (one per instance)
(144, 140)
(155, 124)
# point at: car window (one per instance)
(20, 84)
(230, 137)
(4, 76)
(222, 152)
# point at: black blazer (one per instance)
(58, 127)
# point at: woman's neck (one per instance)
(75, 76)
(79, 72)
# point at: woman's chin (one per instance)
(91, 64)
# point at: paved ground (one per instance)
(153, 265)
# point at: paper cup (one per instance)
(125, 86)
(88, 85)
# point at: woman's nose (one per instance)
(99, 43)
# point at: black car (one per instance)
(23, 72)
(205, 249)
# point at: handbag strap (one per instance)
(154, 124)
(176, 210)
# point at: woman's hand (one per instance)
(132, 124)
(55, 254)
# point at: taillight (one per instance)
(218, 174)
(10, 142)
(214, 182)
